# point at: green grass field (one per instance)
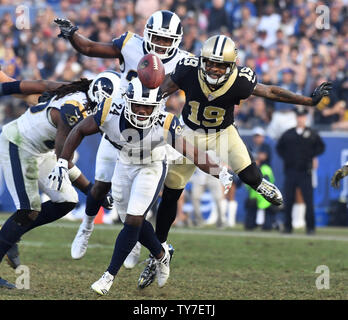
(208, 264)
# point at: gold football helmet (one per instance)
(219, 49)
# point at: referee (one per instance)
(297, 147)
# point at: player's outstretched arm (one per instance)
(282, 95)
(30, 98)
(28, 87)
(84, 45)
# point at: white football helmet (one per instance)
(164, 24)
(137, 93)
(104, 86)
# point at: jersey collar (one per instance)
(212, 95)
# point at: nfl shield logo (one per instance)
(210, 97)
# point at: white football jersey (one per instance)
(136, 146)
(35, 132)
(132, 47)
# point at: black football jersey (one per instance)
(206, 109)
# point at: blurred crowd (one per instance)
(294, 44)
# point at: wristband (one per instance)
(8, 88)
(74, 173)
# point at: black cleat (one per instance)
(12, 256)
(6, 284)
(149, 273)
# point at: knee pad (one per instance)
(25, 217)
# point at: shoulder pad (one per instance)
(72, 112)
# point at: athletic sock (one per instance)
(92, 205)
(125, 242)
(166, 213)
(148, 239)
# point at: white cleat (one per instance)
(80, 243)
(133, 257)
(103, 285)
(162, 268)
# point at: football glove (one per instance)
(59, 175)
(320, 92)
(226, 179)
(108, 202)
(67, 29)
(338, 175)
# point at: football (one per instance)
(151, 71)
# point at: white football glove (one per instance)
(59, 175)
(226, 179)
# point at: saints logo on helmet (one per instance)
(219, 49)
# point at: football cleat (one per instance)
(270, 192)
(162, 268)
(149, 273)
(12, 256)
(80, 243)
(103, 285)
(5, 284)
(133, 257)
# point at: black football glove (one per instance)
(108, 202)
(339, 175)
(321, 91)
(67, 29)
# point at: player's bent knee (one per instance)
(25, 217)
